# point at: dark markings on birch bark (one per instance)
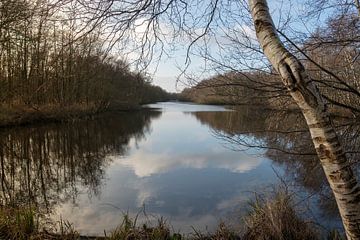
(305, 93)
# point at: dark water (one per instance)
(192, 164)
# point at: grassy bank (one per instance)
(23, 115)
(268, 219)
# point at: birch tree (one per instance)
(337, 168)
(183, 17)
(193, 19)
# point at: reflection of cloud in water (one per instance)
(230, 203)
(179, 142)
(146, 164)
(186, 198)
(94, 221)
(179, 171)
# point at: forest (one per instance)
(331, 56)
(280, 78)
(47, 70)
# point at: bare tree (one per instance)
(145, 29)
(183, 17)
(303, 90)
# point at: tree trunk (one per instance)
(302, 89)
(357, 5)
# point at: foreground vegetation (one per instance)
(48, 65)
(268, 218)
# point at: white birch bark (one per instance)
(334, 162)
(357, 4)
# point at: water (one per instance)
(194, 165)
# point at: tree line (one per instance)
(168, 22)
(331, 56)
(45, 62)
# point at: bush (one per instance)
(276, 218)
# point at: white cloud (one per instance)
(145, 164)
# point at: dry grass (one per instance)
(335, 235)
(18, 224)
(23, 224)
(129, 229)
(272, 218)
(21, 115)
(276, 218)
(221, 233)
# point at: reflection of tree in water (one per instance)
(287, 142)
(43, 165)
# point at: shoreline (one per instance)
(21, 116)
(258, 223)
(18, 116)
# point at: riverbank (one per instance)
(24, 115)
(274, 217)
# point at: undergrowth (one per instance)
(269, 218)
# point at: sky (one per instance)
(166, 71)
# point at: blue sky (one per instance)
(166, 71)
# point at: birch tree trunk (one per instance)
(302, 89)
(357, 5)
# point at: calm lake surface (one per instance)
(195, 165)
